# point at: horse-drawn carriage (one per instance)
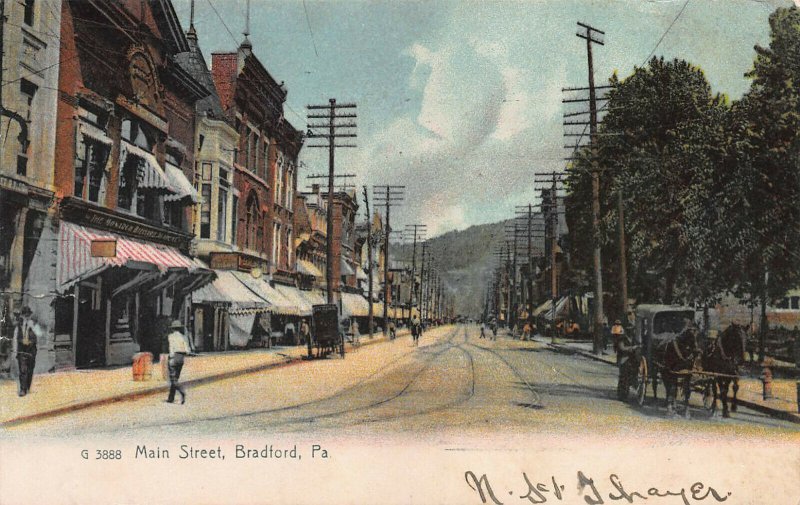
(325, 330)
(668, 348)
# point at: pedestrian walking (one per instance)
(355, 331)
(392, 330)
(483, 330)
(305, 333)
(178, 349)
(415, 329)
(494, 330)
(26, 336)
(526, 331)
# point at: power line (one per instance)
(308, 22)
(666, 32)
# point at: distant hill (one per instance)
(464, 260)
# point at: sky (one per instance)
(461, 101)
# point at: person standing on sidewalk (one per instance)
(617, 332)
(26, 335)
(305, 333)
(178, 349)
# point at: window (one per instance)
(222, 205)
(128, 181)
(137, 133)
(275, 231)
(265, 160)
(90, 169)
(234, 221)
(27, 16)
(222, 214)
(205, 212)
(253, 230)
(28, 92)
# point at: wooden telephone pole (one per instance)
(387, 195)
(335, 130)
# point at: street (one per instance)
(454, 382)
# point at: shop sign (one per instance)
(81, 213)
(104, 248)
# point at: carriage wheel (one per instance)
(641, 381)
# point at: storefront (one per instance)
(227, 314)
(119, 290)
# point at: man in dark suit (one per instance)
(26, 335)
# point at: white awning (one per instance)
(298, 304)
(307, 268)
(94, 133)
(346, 269)
(278, 304)
(153, 176)
(361, 274)
(179, 181)
(227, 289)
(354, 305)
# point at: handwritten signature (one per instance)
(552, 491)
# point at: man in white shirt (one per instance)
(178, 349)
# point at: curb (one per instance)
(776, 413)
(134, 395)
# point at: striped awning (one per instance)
(75, 260)
(178, 181)
(152, 175)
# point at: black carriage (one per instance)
(655, 325)
(325, 330)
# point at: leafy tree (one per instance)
(764, 190)
(659, 144)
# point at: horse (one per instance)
(672, 356)
(723, 356)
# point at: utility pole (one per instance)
(387, 195)
(369, 261)
(335, 130)
(421, 295)
(416, 231)
(588, 35)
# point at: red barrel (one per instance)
(142, 366)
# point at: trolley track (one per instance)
(432, 353)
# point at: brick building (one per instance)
(123, 165)
(265, 159)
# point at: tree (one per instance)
(765, 187)
(659, 144)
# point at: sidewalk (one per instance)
(782, 406)
(57, 393)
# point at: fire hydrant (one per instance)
(766, 379)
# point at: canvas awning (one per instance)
(178, 181)
(228, 290)
(545, 310)
(307, 268)
(345, 267)
(354, 305)
(298, 305)
(75, 260)
(152, 175)
(278, 304)
(94, 133)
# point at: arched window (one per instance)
(252, 223)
